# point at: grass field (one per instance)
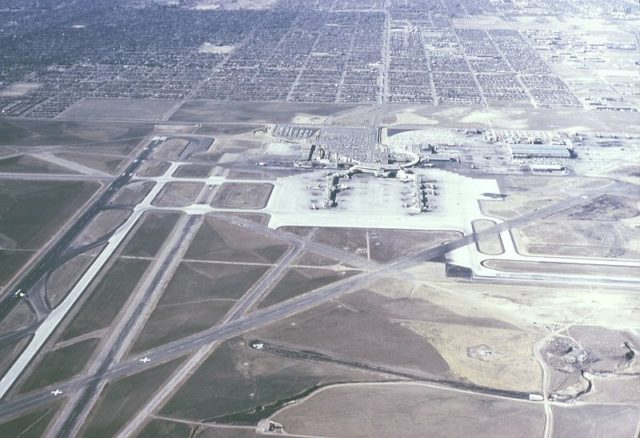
(409, 410)
(28, 164)
(217, 240)
(300, 280)
(197, 281)
(23, 221)
(235, 195)
(58, 365)
(178, 194)
(104, 135)
(150, 234)
(163, 428)
(241, 385)
(107, 297)
(31, 425)
(119, 400)
(170, 322)
(61, 280)
(11, 262)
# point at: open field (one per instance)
(365, 326)
(149, 236)
(196, 298)
(118, 110)
(101, 162)
(61, 280)
(489, 244)
(163, 428)
(20, 316)
(8, 353)
(193, 171)
(11, 261)
(241, 385)
(58, 365)
(408, 410)
(22, 221)
(248, 112)
(232, 195)
(105, 222)
(597, 421)
(120, 399)
(31, 425)
(561, 268)
(297, 281)
(114, 137)
(200, 281)
(133, 193)
(106, 298)
(178, 194)
(30, 164)
(169, 322)
(219, 241)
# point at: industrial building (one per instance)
(540, 151)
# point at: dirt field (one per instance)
(248, 112)
(153, 168)
(579, 238)
(98, 136)
(198, 281)
(217, 240)
(120, 400)
(561, 268)
(362, 325)
(11, 262)
(497, 358)
(58, 365)
(29, 164)
(106, 298)
(169, 322)
(242, 385)
(489, 244)
(20, 316)
(237, 195)
(10, 352)
(103, 163)
(300, 280)
(193, 171)
(408, 410)
(104, 223)
(29, 425)
(62, 279)
(150, 234)
(118, 109)
(598, 421)
(178, 194)
(22, 221)
(132, 194)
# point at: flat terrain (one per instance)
(406, 410)
(250, 218)
(253, 196)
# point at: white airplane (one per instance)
(56, 392)
(145, 359)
